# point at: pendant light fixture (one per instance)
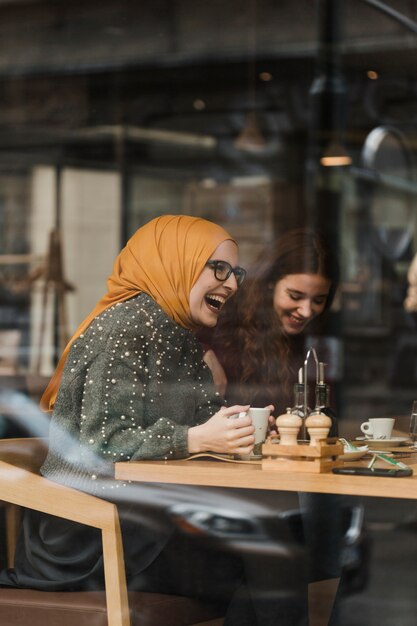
(250, 138)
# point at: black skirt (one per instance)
(55, 554)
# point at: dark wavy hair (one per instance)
(248, 339)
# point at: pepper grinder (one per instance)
(318, 426)
(288, 425)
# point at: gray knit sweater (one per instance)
(133, 384)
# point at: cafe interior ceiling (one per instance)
(179, 77)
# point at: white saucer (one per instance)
(385, 443)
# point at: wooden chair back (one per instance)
(22, 486)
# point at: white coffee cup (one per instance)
(260, 420)
(378, 427)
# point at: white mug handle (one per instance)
(366, 428)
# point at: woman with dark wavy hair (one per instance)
(260, 337)
(260, 341)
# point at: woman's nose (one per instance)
(231, 282)
(305, 308)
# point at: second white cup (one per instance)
(378, 427)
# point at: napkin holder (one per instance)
(303, 457)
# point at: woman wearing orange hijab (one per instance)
(132, 384)
(173, 276)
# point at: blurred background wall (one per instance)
(113, 112)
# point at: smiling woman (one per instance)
(260, 342)
(260, 336)
(298, 299)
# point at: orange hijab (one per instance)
(164, 258)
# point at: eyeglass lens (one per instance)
(222, 271)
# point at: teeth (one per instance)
(220, 299)
(216, 300)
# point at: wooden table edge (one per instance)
(248, 476)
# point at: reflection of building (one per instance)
(116, 112)
(243, 206)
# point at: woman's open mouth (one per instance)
(214, 302)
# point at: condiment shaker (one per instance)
(318, 426)
(288, 425)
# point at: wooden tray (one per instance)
(303, 457)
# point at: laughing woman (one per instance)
(132, 384)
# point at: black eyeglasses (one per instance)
(223, 269)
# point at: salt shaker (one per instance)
(288, 425)
(318, 426)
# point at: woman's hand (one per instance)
(217, 371)
(224, 435)
(272, 425)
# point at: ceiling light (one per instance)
(199, 104)
(265, 76)
(335, 155)
(250, 138)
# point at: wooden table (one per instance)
(213, 473)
